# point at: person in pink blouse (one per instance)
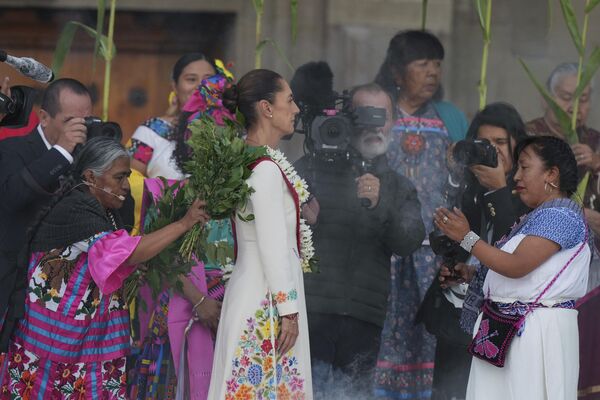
(75, 334)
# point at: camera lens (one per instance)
(333, 131)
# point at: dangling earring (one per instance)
(546, 187)
(554, 185)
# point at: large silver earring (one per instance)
(554, 185)
(546, 187)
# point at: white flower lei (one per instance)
(307, 250)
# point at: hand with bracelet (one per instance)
(204, 308)
(288, 334)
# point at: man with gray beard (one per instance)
(362, 213)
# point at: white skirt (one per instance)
(542, 363)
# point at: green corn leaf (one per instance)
(259, 6)
(294, 17)
(99, 27)
(481, 7)
(424, 14)
(572, 25)
(261, 46)
(550, 9)
(591, 5)
(563, 118)
(589, 69)
(63, 46)
(581, 188)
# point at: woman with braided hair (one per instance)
(75, 334)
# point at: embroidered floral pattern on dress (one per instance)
(282, 297)
(256, 373)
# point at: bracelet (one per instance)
(196, 306)
(469, 241)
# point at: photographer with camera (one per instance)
(484, 165)
(362, 213)
(30, 170)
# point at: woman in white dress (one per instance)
(262, 349)
(538, 270)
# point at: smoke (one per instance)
(335, 384)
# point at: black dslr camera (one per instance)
(96, 127)
(475, 152)
(17, 107)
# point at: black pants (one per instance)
(451, 373)
(344, 353)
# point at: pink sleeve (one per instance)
(106, 260)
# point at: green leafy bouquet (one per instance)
(218, 169)
(164, 269)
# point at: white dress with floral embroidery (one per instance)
(266, 282)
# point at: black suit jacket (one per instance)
(29, 175)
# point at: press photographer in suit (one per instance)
(30, 171)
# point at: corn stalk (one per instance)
(484, 11)
(585, 72)
(424, 14)
(259, 8)
(108, 60)
(103, 46)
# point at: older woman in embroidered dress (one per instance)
(262, 343)
(536, 274)
(74, 337)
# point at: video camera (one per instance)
(331, 131)
(327, 117)
(17, 107)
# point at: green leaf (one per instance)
(589, 70)
(259, 6)
(261, 45)
(572, 25)
(99, 26)
(294, 18)
(481, 7)
(581, 188)
(63, 46)
(591, 5)
(424, 14)
(563, 118)
(550, 9)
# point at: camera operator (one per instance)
(30, 171)
(363, 212)
(491, 209)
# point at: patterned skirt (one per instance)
(405, 363)
(26, 376)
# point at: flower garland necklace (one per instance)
(307, 250)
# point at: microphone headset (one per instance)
(118, 196)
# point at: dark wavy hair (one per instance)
(404, 48)
(553, 152)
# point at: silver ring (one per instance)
(445, 220)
